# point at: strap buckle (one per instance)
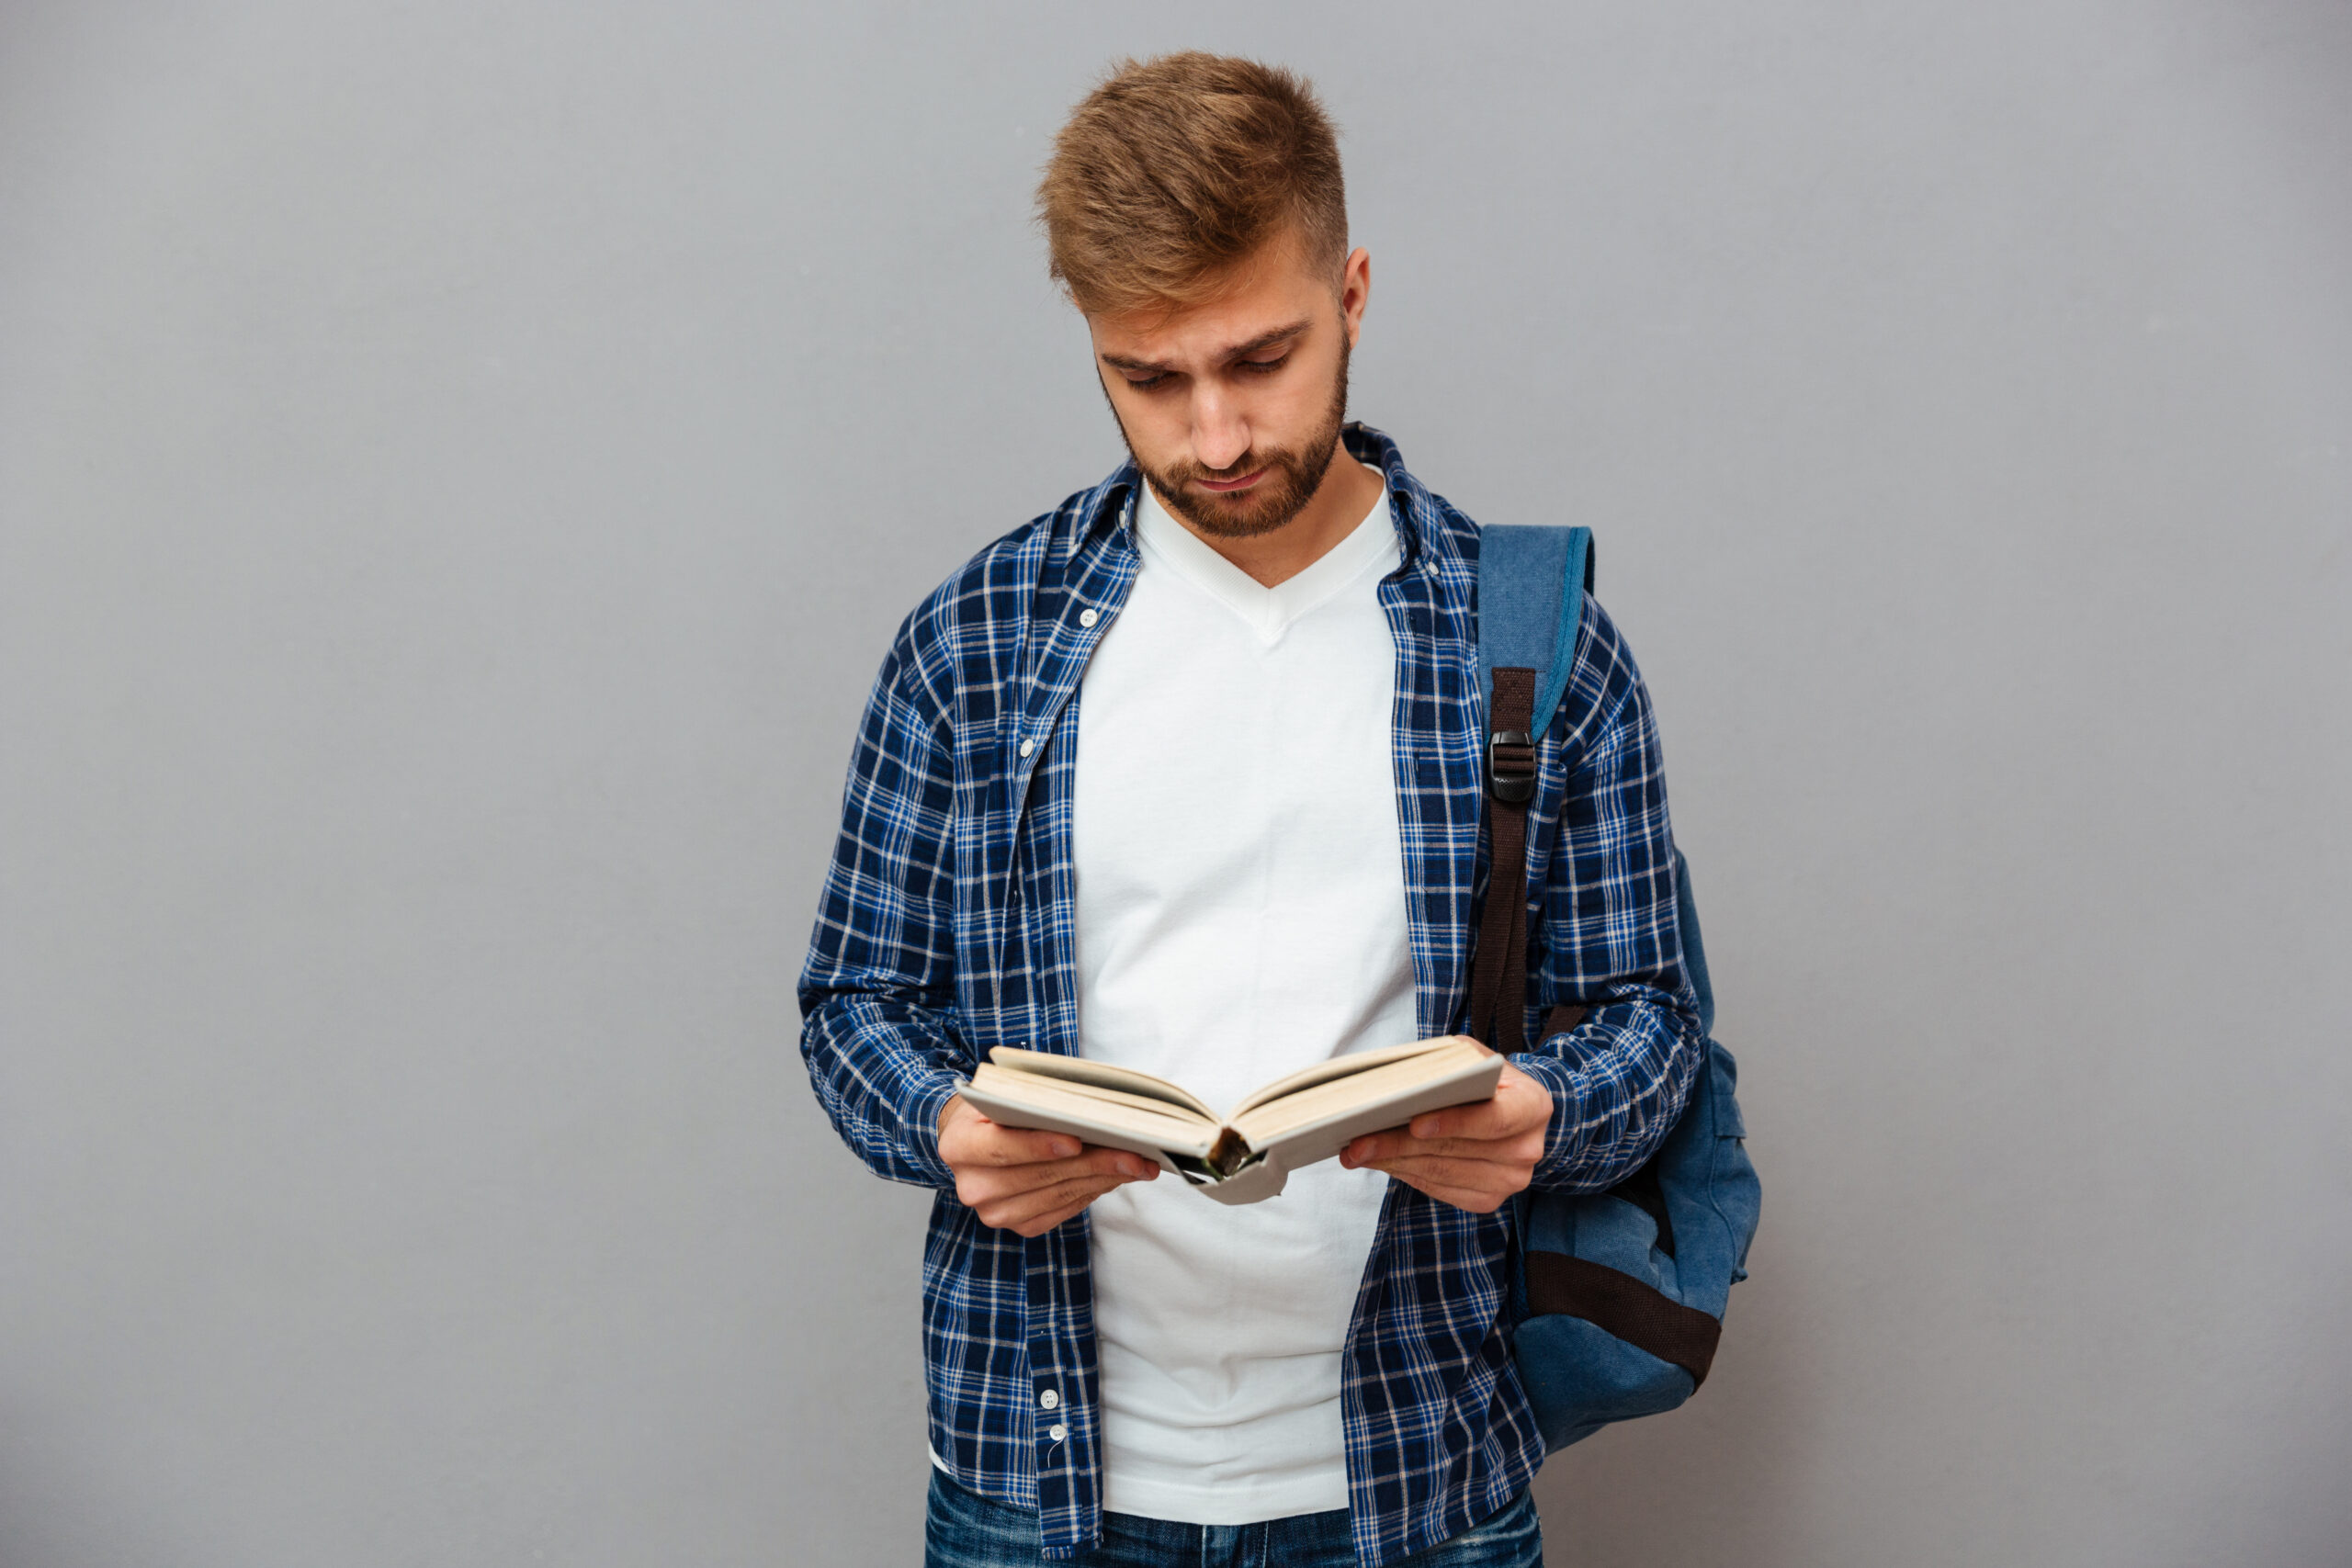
(1510, 766)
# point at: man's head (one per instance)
(1194, 212)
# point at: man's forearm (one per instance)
(1618, 1081)
(879, 975)
(878, 1068)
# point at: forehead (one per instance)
(1267, 291)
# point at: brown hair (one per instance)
(1176, 167)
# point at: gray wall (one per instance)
(459, 467)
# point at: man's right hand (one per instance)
(1028, 1181)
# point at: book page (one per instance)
(1355, 1062)
(1017, 1083)
(1380, 1091)
(1102, 1075)
(1320, 1139)
(1015, 1098)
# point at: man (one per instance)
(1185, 775)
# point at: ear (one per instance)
(1355, 288)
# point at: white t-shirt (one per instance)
(1241, 913)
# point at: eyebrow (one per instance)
(1262, 341)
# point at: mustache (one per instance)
(1249, 462)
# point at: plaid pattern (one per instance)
(946, 927)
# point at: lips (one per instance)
(1223, 487)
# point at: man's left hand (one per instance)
(1471, 1157)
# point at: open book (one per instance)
(1246, 1155)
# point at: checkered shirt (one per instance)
(947, 927)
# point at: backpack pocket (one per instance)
(1732, 1190)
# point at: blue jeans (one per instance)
(967, 1530)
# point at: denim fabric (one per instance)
(967, 1530)
(947, 927)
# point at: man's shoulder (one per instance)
(1604, 685)
(1442, 535)
(980, 608)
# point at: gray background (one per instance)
(459, 465)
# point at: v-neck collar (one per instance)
(1269, 612)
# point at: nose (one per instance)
(1220, 435)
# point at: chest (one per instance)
(1396, 734)
(1212, 750)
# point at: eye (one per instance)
(1146, 383)
(1266, 367)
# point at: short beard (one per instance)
(1273, 502)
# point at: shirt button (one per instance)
(1087, 617)
(1057, 1431)
(1050, 1399)
(1027, 747)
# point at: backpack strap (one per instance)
(1531, 583)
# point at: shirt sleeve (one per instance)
(1609, 939)
(878, 992)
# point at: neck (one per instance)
(1339, 503)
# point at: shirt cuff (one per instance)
(1564, 1142)
(921, 1136)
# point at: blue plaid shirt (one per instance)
(948, 927)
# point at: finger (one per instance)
(1113, 1166)
(972, 1139)
(1002, 1146)
(1011, 1208)
(1474, 1175)
(1526, 1143)
(1377, 1148)
(1478, 1187)
(1476, 1202)
(1054, 1204)
(1044, 1222)
(1519, 1102)
(1504, 1116)
(1521, 1148)
(988, 1186)
(1483, 1120)
(1481, 1124)
(1099, 1161)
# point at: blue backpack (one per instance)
(1618, 1296)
